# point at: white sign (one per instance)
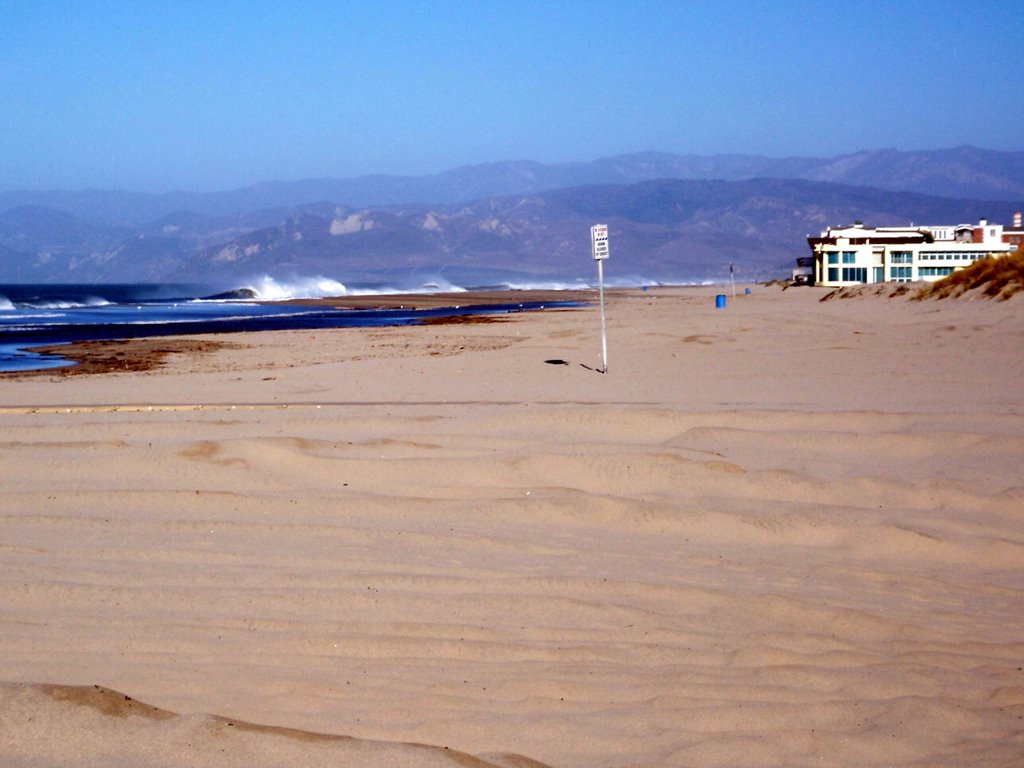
(599, 241)
(599, 249)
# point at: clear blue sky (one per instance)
(158, 96)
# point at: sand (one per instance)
(786, 533)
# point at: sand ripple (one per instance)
(722, 561)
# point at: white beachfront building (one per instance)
(857, 254)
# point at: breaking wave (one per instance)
(430, 285)
(548, 285)
(88, 301)
(583, 285)
(266, 288)
(40, 303)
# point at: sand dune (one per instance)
(67, 725)
(783, 534)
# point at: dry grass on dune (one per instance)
(998, 277)
(886, 290)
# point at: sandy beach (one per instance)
(784, 533)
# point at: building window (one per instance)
(855, 274)
(849, 257)
(901, 274)
(833, 257)
(901, 257)
(952, 255)
(936, 271)
(833, 274)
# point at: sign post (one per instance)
(732, 279)
(599, 250)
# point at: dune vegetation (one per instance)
(998, 277)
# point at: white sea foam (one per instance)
(21, 315)
(5, 303)
(431, 285)
(549, 285)
(630, 281)
(89, 301)
(267, 288)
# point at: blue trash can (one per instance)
(720, 301)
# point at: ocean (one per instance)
(45, 315)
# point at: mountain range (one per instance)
(671, 218)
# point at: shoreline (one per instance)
(144, 352)
(115, 355)
(452, 299)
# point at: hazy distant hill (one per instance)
(962, 172)
(663, 229)
(966, 172)
(36, 228)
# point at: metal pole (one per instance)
(604, 337)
